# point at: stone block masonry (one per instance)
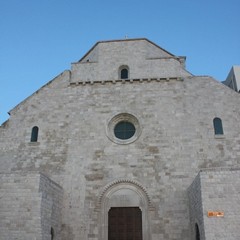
(30, 207)
(76, 114)
(216, 191)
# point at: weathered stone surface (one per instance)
(216, 190)
(175, 111)
(30, 205)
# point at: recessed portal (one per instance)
(125, 223)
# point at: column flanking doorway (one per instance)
(125, 223)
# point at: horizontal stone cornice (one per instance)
(134, 80)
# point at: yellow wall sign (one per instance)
(215, 214)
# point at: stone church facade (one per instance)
(127, 145)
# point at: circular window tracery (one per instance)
(123, 128)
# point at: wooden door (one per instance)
(125, 223)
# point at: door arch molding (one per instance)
(124, 193)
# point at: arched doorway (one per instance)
(197, 232)
(122, 201)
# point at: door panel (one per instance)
(125, 223)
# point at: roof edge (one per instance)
(35, 92)
(126, 40)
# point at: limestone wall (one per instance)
(30, 204)
(51, 208)
(74, 149)
(220, 193)
(214, 204)
(144, 59)
(196, 208)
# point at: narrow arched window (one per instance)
(218, 128)
(34, 135)
(197, 232)
(124, 72)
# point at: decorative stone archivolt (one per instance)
(125, 182)
(123, 193)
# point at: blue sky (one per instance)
(40, 39)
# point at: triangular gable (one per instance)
(125, 40)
